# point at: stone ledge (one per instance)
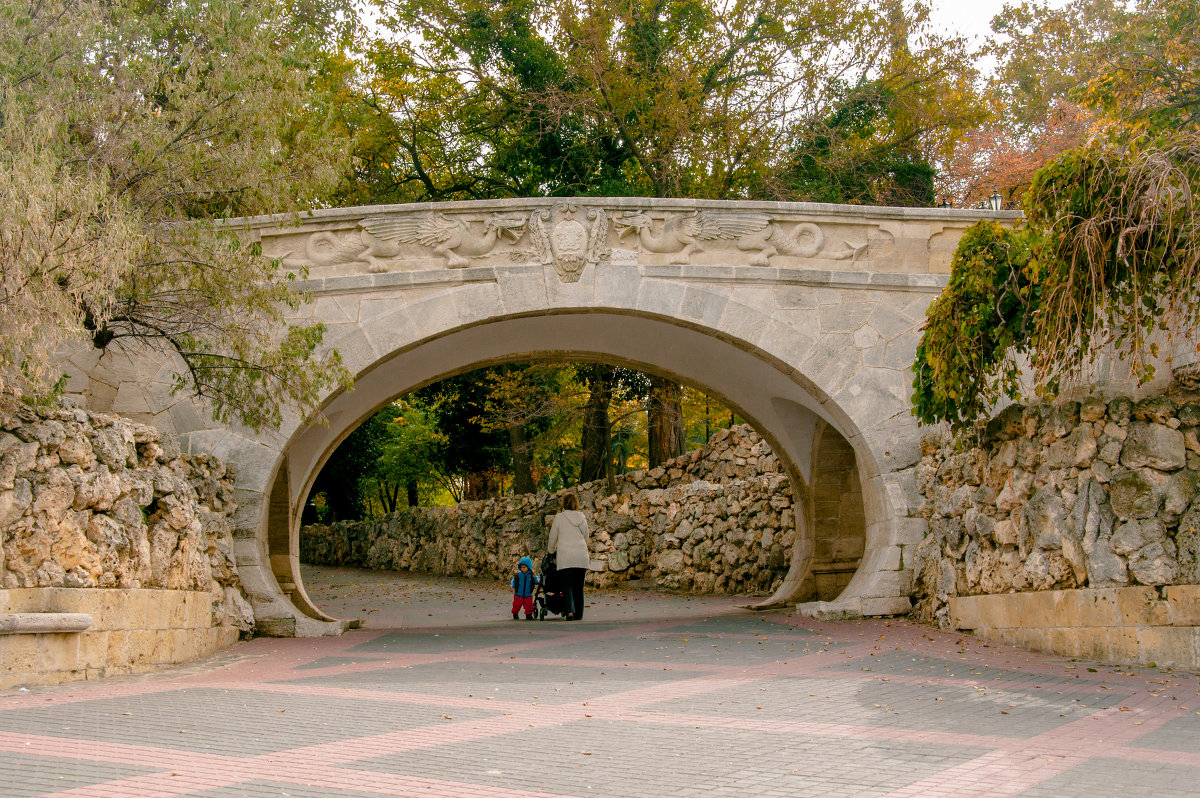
(116, 608)
(24, 623)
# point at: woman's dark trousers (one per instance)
(572, 586)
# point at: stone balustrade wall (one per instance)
(717, 520)
(91, 501)
(1080, 495)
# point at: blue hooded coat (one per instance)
(523, 582)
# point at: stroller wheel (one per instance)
(541, 613)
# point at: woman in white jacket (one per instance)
(569, 544)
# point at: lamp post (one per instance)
(996, 202)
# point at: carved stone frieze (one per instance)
(358, 248)
(570, 234)
(877, 242)
(804, 240)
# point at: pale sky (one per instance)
(970, 17)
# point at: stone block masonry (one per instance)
(717, 520)
(1128, 624)
(131, 630)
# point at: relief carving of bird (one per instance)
(684, 233)
(446, 235)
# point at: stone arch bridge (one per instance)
(803, 317)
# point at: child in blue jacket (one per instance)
(523, 584)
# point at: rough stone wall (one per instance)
(717, 520)
(1089, 494)
(96, 501)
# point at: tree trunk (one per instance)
(478, 486)
(665, 427)
(522, 464)
(388, 496)
(596, 440)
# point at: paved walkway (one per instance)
(442, 694)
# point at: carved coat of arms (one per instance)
(563, 240)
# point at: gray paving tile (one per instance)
(511, 681)
(694, 645)
(921, 707)
(1181, 734)
(452, 642)
(611, 759)
(229, 722)
(24, 776)
(1120, 778)
(912, 664)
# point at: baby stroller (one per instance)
(549, 596)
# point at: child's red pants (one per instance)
(523, 601)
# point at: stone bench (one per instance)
(25, 623)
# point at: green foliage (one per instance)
(1121, 261)
(965, 358)
(129, 134)
(841, 162)
(1146, 74)
(409, 457)
(339, 488)
(1045, 51)
(454, 440)
(691, 98)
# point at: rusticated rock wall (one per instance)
(96, 501)
(717, 520)
(1091, 494)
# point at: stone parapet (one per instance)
(130, 630)
(1118, 625)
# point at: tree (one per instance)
(596, 439)
(664, 431)
(1109, 257)
(129, 134)
(531, 402)
(476, 454)
(1043, 52)
(883, 138)
(996, 157)
(341, 487)
(840, 162)
(409, 458)
(683, 98)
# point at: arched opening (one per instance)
(786, 410)
(704, 509)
